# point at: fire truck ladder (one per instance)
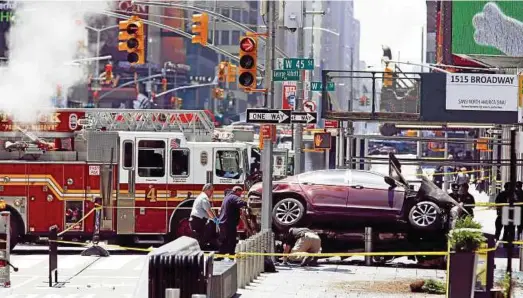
(190, 122)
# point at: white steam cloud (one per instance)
(44, 38)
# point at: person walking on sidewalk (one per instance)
(201, 213)
(301, 240)
(229, 219)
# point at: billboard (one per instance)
(482, 92)
(476, 28)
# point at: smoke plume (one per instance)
(44, 38)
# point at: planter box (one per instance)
(462, 274)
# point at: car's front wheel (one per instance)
(288, 212)
(425, 215)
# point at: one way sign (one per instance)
(268, 116)
(304, 117)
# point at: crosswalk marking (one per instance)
(113, 262)
(70, 262)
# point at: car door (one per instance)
(371, 197)
(326, 190)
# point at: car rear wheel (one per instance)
(425, 215)
(288, 212)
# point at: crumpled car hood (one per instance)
(430, 189)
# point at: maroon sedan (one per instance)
(342, 199)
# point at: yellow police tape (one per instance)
(298, 254)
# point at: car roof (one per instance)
(342, 171)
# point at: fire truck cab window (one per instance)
(228, 164)
(151, 158)
(180, 162)
(128, 154)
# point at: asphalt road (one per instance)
(78, 277)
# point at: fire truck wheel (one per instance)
(14, 230)
(180, 226)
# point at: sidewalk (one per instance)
(339, 281)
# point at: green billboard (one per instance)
(487, 28)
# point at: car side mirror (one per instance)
(390, 181)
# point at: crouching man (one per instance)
(301, 240)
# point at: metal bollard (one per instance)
(271, 244)
(260, 257)
(251, 260)
(198, 296)
(521, 253)
(368, 245)
(172, 293)
(257, 257)
(239, 262)
(243, 272)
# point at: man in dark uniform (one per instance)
(466, 198)
(229, 219)
(455, 191)
(501, 199)
(301, 240)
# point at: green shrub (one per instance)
(467, 223)
(433, 286)
(466, 236)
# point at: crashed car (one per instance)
(346, 199)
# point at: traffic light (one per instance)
(231, 73)
(108, 73)
(222, 71)
(132, 39)
(387, 77)
(164, 84)
(363, 100)
(200, 28)
(218, 93)
(248, 63)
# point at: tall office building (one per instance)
(430, 31)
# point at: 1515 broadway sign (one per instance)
(482, 92)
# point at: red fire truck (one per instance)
(144, 166)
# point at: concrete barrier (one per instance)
(251, 266)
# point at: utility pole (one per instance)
(299, 161)
(419, 145)
(350, 128)
(267, 160)
(511, 199)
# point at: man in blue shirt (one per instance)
(229, 219)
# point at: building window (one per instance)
(228, 164)
(235, 37)
(245, 16)
(151, 158)
(128, 154)
(237, 15)
(224, 40)
(226, 12)
(180, 162)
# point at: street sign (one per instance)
(289, 95)
(318, 86)
(309, 106)
(322, 140)
(286, 75)
(304, 117)
(268, 116)
(331, 124)
(298, 63)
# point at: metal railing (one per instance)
(251, 266)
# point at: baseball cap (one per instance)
(237, 188)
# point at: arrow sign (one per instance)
(304, 117)
(268, 116)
